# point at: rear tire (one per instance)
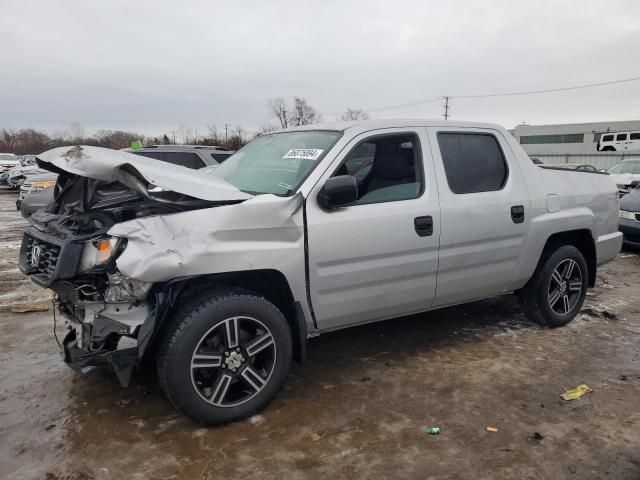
(608, 149)
(555, 293)
(225, 357)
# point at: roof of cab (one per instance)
(365, 125)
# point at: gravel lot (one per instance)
(358, 407)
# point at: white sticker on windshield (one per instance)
(304, 153)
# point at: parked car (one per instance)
(15, 171)
(28, 160)
(619, 142)
(222, 274)
(190, 156)
(8, 161)
(577, 166)
(629, 222)
(18, 175)
(42, 184)
(624, 173)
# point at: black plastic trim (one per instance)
(551, 167)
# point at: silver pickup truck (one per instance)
(221, 274)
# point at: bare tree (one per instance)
(213, 137)
(303, 113)
(279, 110)
(76, 132)
(354, 114)
(185, 134)
(268, 128)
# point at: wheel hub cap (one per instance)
(234, 360)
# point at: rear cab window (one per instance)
(607, 138)
(473, 162)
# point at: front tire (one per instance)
(225, 357)
(556, 292)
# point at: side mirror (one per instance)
(338, 192)
(604, 170)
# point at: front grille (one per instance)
(47, 259)
(41, 256)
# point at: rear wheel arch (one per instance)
(582, 239)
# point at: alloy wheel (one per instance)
(565, 287)
(233, 361)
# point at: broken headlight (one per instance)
(100, 251)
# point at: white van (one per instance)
(619, 142)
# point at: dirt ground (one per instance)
(357, 409)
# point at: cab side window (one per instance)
(621, 137)
(387, 168)
(473, 162)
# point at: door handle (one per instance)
(517, 214)
(423, 225)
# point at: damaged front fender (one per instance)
(261, 233)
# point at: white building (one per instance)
(572, 143)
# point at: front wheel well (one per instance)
(270, 284)
(583, 241)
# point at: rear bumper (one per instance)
(608, 246)
(630, 229)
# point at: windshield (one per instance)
(626, 167)
(275, 163)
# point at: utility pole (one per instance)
(446, 108)
(226, 132)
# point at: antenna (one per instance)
(446, 108)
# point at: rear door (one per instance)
(621, 141)
(376, 258)
(634, 141)
(485, 212)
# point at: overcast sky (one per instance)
(152, 66)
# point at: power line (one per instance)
(487, 95)
(391, 107)
(549, 90)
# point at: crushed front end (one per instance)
(103, 310)
(109, 316)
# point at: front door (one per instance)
(376, 258)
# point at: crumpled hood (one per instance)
(106, 164)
